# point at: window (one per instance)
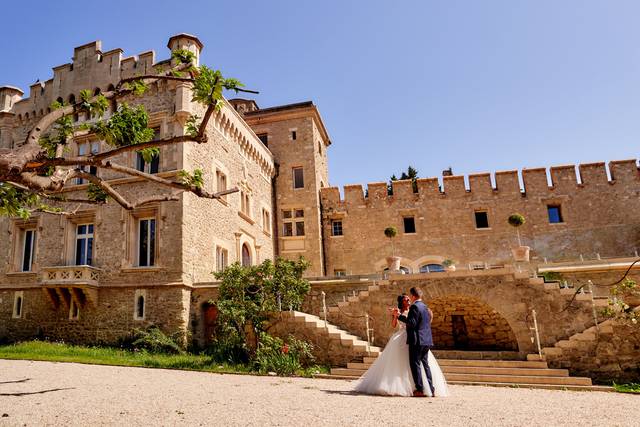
(293, 222)
(74, 310)
(28, 245)
(339, 273)
(409, 224)
(151, 167)
(336, 228)
(266, 221)
(555, 214)
(222, 257)
(246, 256)
(298, 178)
(139, 304)
(432, 268)
(264, 138)
(84, 244)
(221, 182)
(18, 302)
(482, 219)
(245, 203)
(85, 149)
(146, 242)
(294, 135)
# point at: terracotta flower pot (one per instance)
(521, 253)
(451, 267)
(393, 262)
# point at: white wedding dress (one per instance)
(390, 374)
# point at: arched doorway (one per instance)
(246, 256)
(210, 319)
(462, 322)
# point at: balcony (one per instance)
(75, 282)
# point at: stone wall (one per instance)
(594, 211)
(106, 323)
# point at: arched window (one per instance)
(72, 99)
(432, 268)
(140, 307)
(246, 256)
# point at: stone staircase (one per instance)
(576, 342)
(505, 373)
(313, 324)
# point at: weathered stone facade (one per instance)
(277, 159)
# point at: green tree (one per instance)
(249, 296)
(411, 173)
(33, 174)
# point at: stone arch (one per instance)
(246, 255)
(461, 322)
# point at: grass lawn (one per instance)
(627, 388)
(59, 352)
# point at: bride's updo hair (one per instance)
(400, 299)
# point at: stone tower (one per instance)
(9, 95)
(296, 136)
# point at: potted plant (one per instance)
(393, 262)
(520, 253)
(449, 264)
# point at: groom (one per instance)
(419, 339)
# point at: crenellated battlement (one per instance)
(92, 69)
(565, 179)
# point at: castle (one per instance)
(95, 275)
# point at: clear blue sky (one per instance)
(476, 85)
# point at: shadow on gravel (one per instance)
(344, 393)
(24, 380)
(28, 393)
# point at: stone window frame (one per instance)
(475, 220)
(222, 254)
(293, 177)
(559, 201)
(132, 235)
(561, 217)
(293, 134)
(140, 293)
(404, 225)
(18, 296)
(72, 222)
(266, 221)
(73, 305)
(293, 219)
(91, 142)
(333, 227)
(18, 229)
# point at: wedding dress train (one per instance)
(390, 374)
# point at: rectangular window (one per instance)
(293, 222)
(245, 204)
(28, 245)
(84, 244)
(222, 258)
(264, 138)
(409, 224)
(555, 214)
(266, 221)
(140, 304)
(18, 303)
(482, 219)
(146, 242)
(336, 228)
(85, 149)
(298, 178)
(294, 135)
(221, 182)
(339, 273)
(152, 167)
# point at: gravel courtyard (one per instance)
(44, 393)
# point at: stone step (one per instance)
(552, 351)
(551, 286)
(372, 288)
(494, 384)
(482, 370)
(489, 378)
(584, 336)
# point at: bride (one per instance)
(390, 374)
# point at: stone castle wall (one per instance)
(596, 219)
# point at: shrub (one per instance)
(152, 340)
(284, 358)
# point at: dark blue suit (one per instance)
(420, 341)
